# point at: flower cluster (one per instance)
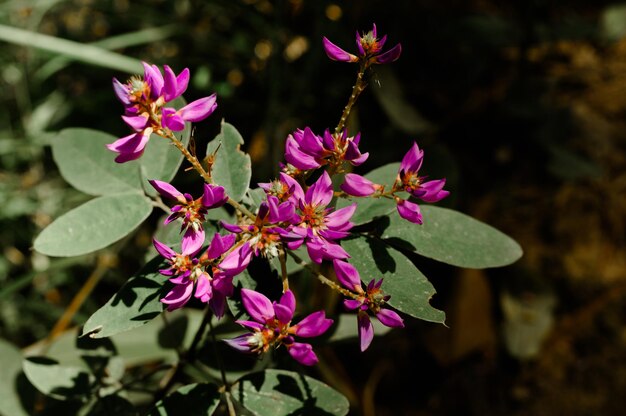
(271, 327)
(407, 180)
(298, 210)
(371, 299)
(144, 99)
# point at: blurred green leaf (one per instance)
(89, 166)
(282, 393)
(81, 52)
(139, 37)
(192, 399)
(11, 364)
(232, 168)
(613, 21)
(59, 382)
(136, 303)
(93, 225)
(454, 238)
(410, 290)
(370, 208)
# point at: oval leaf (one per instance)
(193, 399)
(54, 380)
(454, 238)
(232, 168)
(87, 165)
(410, 290)
(11, 364)
(282, 393)
(93, 225)
(370, 208)
(136, 303)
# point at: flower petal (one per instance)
(198, 110)
(366, 330)
(348, 275)
(335, 53)
(178, 296)
(302, 353)
(313, 325)
(165, 189)
(389, 318)
(258, 305)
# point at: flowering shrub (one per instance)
(316, 220)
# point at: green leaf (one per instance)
(410, 290)
(59, 382)
(87, 165)
(93, 225)
(370, 208)
(161, 159)
(81, 52)
(282, 393)
(137, 303)
(242, 281)
(232, 168)
(190, 400)
(11, 364)
(454, 238)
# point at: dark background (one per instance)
(521, 105)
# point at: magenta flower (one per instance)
(319, 226)
(191, 211)
(264, 234)
(357, 185)
(370, 49)
(130, 147)
(283, 188)
(144, 100)
(271, 327)
(409, 181)
(193, 112)
(372, 299)
(200, 277)
(305, 150)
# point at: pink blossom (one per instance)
(271, 327)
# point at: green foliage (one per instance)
(232, 167)
(11, 364)
(87, 165)
(136, 303)
(57, 381)
(282, 393)
(410, 290)
(93, 225)
(196, 399)
(452, 237)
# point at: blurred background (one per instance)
(521, 105)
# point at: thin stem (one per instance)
(357, 89)
(282, 256)
(190, 158)
(206, 176)
(325, 280)
(229, 403)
